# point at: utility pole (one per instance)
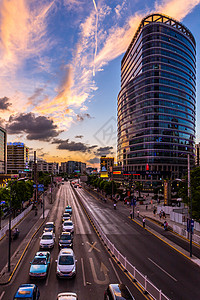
(9, 229)
(35, 177)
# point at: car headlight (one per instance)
(58, 270)
(74, 269)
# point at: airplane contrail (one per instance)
(95, 52)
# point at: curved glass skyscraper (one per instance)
(156, 103)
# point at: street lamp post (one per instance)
(9, 229)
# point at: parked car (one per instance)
(40, 265)
(47, 240)
(118, 292)
(27, 291)
(66, 216)
(49, 227)
(68, 226)
(67, 296)
(66, 263)
(65, 240)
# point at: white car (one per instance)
(68, 226)
(47, 240)
(67, 296)
(66, 263)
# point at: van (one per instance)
(118, 291)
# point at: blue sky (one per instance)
(60, 71)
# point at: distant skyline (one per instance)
(60, 64)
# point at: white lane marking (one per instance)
(162, 269)
(117, 275)
(83, 271)
(2, 295)
(47, 279)
(103, 269)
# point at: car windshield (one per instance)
(68, 223)
(66, 260)
(39, 261)
(47, 237)
(65, 237)
(49, 226)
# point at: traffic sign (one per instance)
(41, 187)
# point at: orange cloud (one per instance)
(21, 31)
(177, 9)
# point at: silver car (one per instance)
(66, 263)
(68, 226)
(47, 240)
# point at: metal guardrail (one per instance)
(147, 285)
(15, 221)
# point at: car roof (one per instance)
(67, 296)
(68, 221)
(47, 233)
(25, 290)
(66, 251)
(121, 289)
(42, 253)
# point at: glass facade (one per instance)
(157, 100)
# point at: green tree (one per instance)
(194, 192)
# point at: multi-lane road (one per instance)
(95, 267)
(168, 269)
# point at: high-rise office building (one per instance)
(17, 158)
(3, 151)
(156, 103)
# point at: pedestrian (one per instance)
(146, 206)
(143, 221)
(164, 215)
(131, 213)
(160, 215)
(138, 213)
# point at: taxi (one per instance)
(40, 265)
(27, 291)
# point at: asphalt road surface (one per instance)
(169, 270)
(95, 267)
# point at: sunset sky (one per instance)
(60, 71)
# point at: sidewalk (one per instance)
(5, 276)
(148, 214)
